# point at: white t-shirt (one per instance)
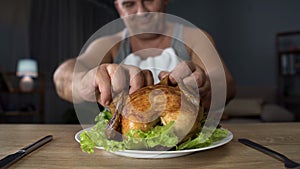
(166, 61)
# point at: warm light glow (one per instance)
(27, 67)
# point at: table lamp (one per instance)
(27, 69)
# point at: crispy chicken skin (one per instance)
(160, 103)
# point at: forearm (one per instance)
(63, 78)
(229, 81)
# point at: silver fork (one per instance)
(288, 163)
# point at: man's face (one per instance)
(138, 7)
(142, 15)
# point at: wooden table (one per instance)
(64, 151)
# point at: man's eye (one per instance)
(128, 4)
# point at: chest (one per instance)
(148, 48)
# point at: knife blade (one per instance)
(12, 158)
(263, 149)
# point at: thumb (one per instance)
(163, 74)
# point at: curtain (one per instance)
(58, 31)
(59, 28)
(14, 41)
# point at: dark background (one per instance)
(52, 31)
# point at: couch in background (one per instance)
(256, 104)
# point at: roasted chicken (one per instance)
(154, 105)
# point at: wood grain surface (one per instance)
(63, 152)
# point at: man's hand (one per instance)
(192, 76)
(106, 80)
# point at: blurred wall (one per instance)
(244, 32)
(14, 32)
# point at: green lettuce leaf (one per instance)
(157, 136)
(203, 139)
(137, 139)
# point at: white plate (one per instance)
(162, 154)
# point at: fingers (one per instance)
(190, 73)
(163, 74)
(205, 88)
(196, 79)
(118, 76)
(137, 79)
(148, 77)
(110, 79)
(181, 71)
(103, 83)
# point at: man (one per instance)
(99, 68)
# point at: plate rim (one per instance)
(219, 143)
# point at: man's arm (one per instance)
(92, 77)
(202, 50)
(230, 84)
(63, 77)
(98, 52)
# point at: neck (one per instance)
(151, 40)
(146, 41)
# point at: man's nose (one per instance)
(142, 9)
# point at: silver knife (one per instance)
(12, 158)
(288, 163)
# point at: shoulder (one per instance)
(101, 50)
(197, 40)
(104, 48)
(106, 41)
(194, 35)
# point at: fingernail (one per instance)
(107, 103)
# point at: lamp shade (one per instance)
(27, 67)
